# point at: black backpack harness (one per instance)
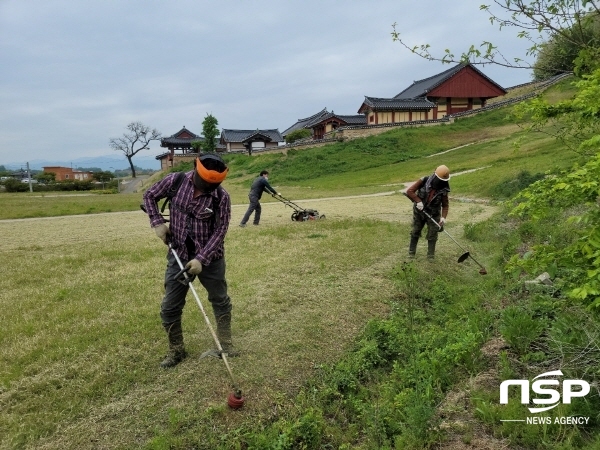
(172, 192)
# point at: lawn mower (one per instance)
(299, 214)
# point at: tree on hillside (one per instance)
(559, 54)
(297, 135)
(537, 21)
(138, 138)
(210, 133)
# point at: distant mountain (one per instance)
(106, 162)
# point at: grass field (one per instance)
(82, 282)
(82, 338)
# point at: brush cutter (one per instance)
(235, 400)
(466, 253)
(299, 214)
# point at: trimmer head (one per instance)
(466, 255)
(235, 400)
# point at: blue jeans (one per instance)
(212, 279)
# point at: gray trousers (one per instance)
(253, 207)
(212, 279)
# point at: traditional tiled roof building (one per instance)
(180, 148)
(248, 140)
(460, 88)
(324, 122)
(305, 123)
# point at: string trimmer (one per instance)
(235, 399)
(466, 253)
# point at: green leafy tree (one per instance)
(575, 122)
(46, 177)
(297, 135)
(561, 54)
(210, 133)
(536, 21)
(103, 176)
(577, 263)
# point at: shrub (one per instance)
(297, 135)
(512, 186)
(519, 328)
(13, 185)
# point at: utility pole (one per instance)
(29, 178)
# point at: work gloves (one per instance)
(193, 267)
(420, 206)
(163, 233)
(442, 221)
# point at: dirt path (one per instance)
(389, 206)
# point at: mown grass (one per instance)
(345, 344)
(82, 339)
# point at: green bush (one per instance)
(297, 135)
(513, 186)
(520, 329)
(13, 185)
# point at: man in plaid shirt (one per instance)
(200, 214)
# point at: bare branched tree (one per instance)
(138, 138)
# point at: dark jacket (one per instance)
(259, 185)
(433, 199)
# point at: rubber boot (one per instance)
(224, 335)
(177, 351)
(412, 248)
(431, 249)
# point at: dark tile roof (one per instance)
(182, 137)
(359, 119)
(397, 103)
(307, 122)
(422, 87)
(242, 135)
(258, 136)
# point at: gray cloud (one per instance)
(76, 73)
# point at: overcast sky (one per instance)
(75, 73)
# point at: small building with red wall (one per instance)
(68, 174)
(460, 88)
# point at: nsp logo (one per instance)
(538, 387)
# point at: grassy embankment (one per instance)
(81, 338)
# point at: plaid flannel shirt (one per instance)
(191, 217)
